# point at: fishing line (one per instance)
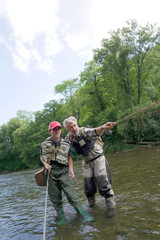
(136, 114)
(141, 110)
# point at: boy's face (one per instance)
(55, 132)
(73, 128)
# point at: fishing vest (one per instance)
(82, 146)
(61, 155)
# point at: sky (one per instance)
(45, 42)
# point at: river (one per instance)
(136, 183)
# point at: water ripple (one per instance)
(136, 186)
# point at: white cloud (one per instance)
(75, 26)
(40, 29)
(55, 35)
(20, 63)
(46, 65)
(111, 15)
(77, 42)
(52, 45)
(31, 17)
(33, 37)
(90, 21)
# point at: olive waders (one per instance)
(59, 181)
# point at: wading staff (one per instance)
(45, 215)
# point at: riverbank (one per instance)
(129, 148)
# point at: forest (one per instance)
(122, 78)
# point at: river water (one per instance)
(136, 183)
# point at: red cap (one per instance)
(54, 124)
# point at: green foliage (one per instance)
(69, 89)
(126, 59)
(122, 78)
(142, 125)
(9, 155)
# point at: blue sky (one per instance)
(44, 42)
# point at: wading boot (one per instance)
(86, 216)
(111, 206)
(92, 201)
(62, 217)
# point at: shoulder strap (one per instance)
(55, 150)
(98, 140)
(80, 131)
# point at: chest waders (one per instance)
(45, 214)
(60, 174)
(96, 171)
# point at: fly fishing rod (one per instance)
(141, 110)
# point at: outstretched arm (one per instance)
(107, 126)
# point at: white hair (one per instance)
(69, 120)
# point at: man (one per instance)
(95, 167)
(60, 171)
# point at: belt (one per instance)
(96, 157)
(56, 163)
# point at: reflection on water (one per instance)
(136, 183)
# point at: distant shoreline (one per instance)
(136, 147)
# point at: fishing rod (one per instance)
(141, 110)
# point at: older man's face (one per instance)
(73, 128)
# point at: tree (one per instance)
(125, 57)
(69, 89)
(9, 155)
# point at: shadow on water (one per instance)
(136, 183)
